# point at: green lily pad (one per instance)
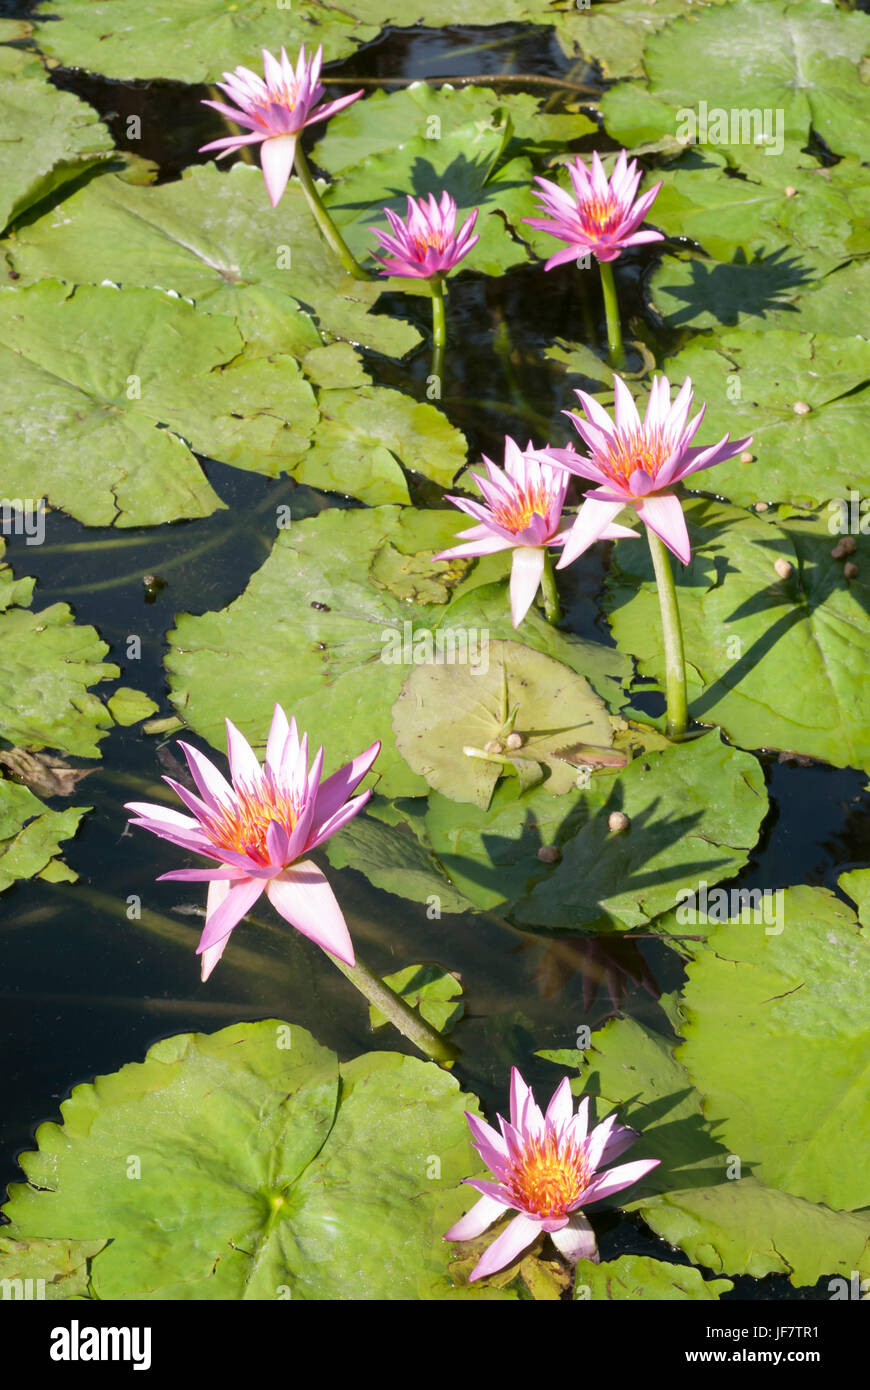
(361, 434)
(56, 1269)
(335, 656)
(213, 237)
(49, 663)
(105, 392)
(818, 215)
(395, 861)
(433, 991)
(681, 830)
(443, 709)
(788, 1012)
(745, 1227)
(640, 1277)
(697, 1198)
(777, 663)
(49, 136)
(857, 884)
(752, 382)
(801, 59)
(344, 633)
(466, 162)
(128, 706)
(30, 836)
(614, 34)
(383, 122)
(247, 1164)
(605, 880)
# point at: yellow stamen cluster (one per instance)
(628, 452)
(243, 826)
(516, 514)
(549, 1176)
(600, 215)
(435, 238)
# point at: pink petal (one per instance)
(589, 525)
(334, 792)
(615, 1179)
(561, 1108)
(475, 1222)
(505, 1248)
(304, 898)
(576, 1241)
(244, 763)
(526, 572)
(238, 899)
(276, 160)
(662, 512)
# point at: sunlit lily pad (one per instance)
(383, 122)
(30, 836)
(441, 710)
(857, 884)
(614, 34)
(605, 880)
(699, 1199)
(331, 631)
(778, 663)
(59, 1269)
(434, 992)
(396, 861)
(105, 393)
(640, 1277)
(247, 1164)
(802, 59)
(213, 237)
(786, 1008)
(49, 136)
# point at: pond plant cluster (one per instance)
(540, 687)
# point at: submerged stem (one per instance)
(675, 662)
(615, 349)
(330, 232)
(400, 1014)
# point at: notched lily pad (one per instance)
(30, 836)
(248, 1164)
(640, 1277)
(442, 711)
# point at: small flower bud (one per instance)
(762, 506)
(747, 457)
(618, 821)
(784, 567)
(850, 570)
(790, 192)
(549, 854)
(514, 741)
(801, 408)
(493, 746)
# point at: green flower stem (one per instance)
(406, 1019)
(552, 609)
(323, 220)
(615, 350)
(439, 327)
(675, 662)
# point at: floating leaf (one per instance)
(441, 710)
(786, 1008)
(394, 861)
(58, 1269)
(640, 1277)
(434, 992)
(614, 34)
(777, 663)
(857, 884)
(213, 237)
(264, 1171)
(49, 136)
(603, 881)
(128, 706)
(105, 392)
(30, 836)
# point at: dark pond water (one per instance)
(83, 988)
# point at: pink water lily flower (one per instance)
(602, 216)
(275, 111)
(546, 1168)
(426, 242)
(259, 829)
(637, 465)
(522, 512)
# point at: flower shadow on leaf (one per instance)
(730, 292)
